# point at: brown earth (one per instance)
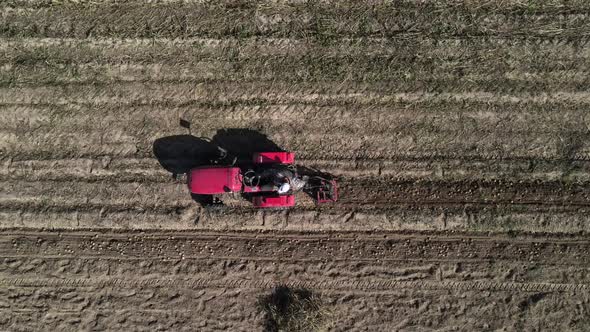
(458, 132)
(212, 281)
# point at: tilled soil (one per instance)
(212, 280)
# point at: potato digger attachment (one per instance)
(322, 189)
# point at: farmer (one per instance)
(282, 180)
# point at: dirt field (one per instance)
(458, 131)
(212, 281)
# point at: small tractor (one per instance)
(269, 180)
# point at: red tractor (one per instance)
(270, 180)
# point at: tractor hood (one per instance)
(214, 180)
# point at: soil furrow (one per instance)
(509, 54)
(132, 93)
(322, 20)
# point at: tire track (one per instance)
(378, 286)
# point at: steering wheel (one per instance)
(250, 179)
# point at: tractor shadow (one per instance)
(180, 153)
(243, 143)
